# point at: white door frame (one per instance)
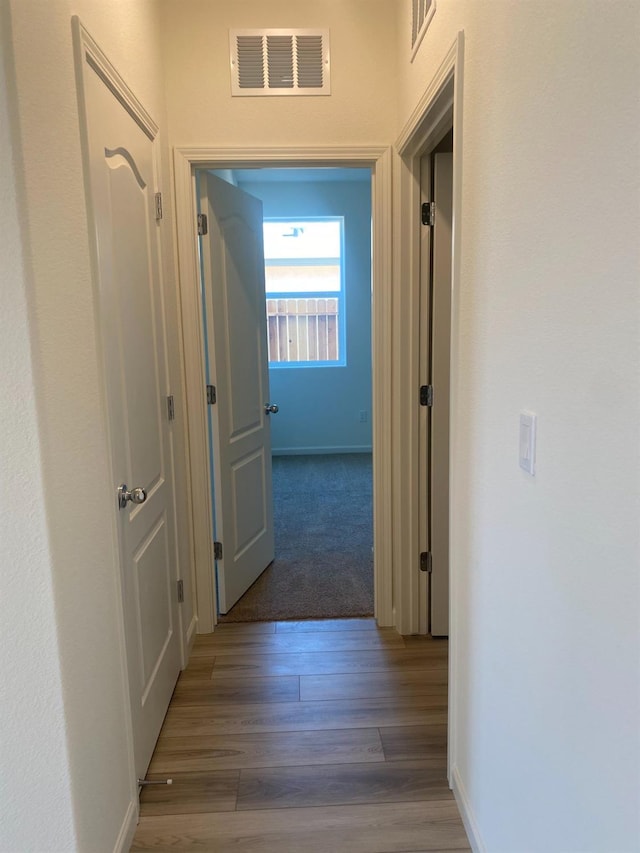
(378, 159)
(439, 108)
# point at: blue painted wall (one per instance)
(320, 406)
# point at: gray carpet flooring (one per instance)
(323, 519)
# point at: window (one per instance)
(304, 287)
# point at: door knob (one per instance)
(136, 496)
(271, 409)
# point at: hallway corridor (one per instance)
(305, 736)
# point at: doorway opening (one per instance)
(187, 160)
(317, 264)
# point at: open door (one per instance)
(435, 339)
(232, 258)
(440, 372)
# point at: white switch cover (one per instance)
(528, 442)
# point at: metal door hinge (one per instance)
(426, 563)
(180, 592)
(158, 207)
(171, 408)
(428, 213)
(217, 550)
(203, 226)
(211, 395)
(426, 395)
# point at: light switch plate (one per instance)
(527, 447)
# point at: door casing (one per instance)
(378, 159)
(439, 109)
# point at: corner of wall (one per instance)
(466, 813)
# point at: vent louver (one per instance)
(310, 62)
(250, 64)
(422, 11)
(279, 62)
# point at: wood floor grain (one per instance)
(374, 685)
(401, 743)
(342, 784)
(271, 749)
(303, 716)
(236, 689)
(379, 828)
(229, 643)
(189, 793)
(330, 663)
(198, 669)
(305, 736)
(245, 629)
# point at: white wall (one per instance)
(81, 564)
(32, 715)
(362, 105)
(546, 739)
(320, 406)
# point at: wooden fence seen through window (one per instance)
(302, 329)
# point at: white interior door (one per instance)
(424, 445)
(440, 372)
(436, 182)
(235, 317)
(120, 156)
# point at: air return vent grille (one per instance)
(250, 62)
(422, 13)
(279, 62)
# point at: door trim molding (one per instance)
(439, 108)
(185, 160)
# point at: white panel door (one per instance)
(121, 158)
(233, 269)
(440, 372)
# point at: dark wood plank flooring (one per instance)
(305, 736)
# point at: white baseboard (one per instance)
(128, 829)
(317, 451)
(466, 812)
(191, 634)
